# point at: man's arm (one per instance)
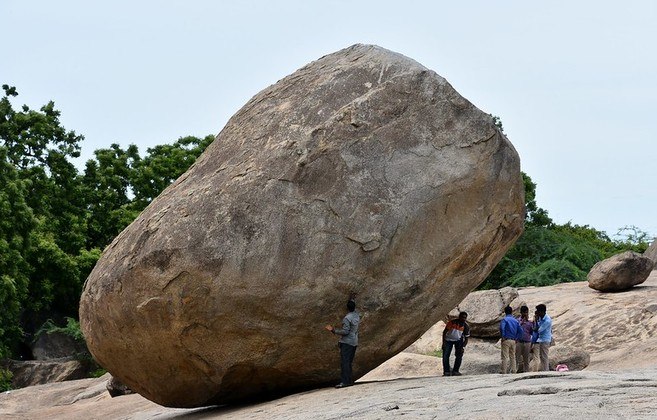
(543, 326)
(346, 327)
(444, 335)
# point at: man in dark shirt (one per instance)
(348, 343)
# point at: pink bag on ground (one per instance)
(561, 368)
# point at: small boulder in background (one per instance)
(651, 253)
(620, 272)
(573, 357)
(485, 310)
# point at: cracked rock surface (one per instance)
(363, 172)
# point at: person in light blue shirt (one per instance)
(510, 332)
(543, 330)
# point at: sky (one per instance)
(574, 82)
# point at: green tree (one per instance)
(16, 223)
(46, 216)
(107, 189)
(164, 164)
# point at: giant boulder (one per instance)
(363, 172)
(620, 272)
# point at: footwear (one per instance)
(341, 385)
(447, 374)
(456, 373)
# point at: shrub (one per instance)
(5, 380)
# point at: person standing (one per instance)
(523, 346)
(510, 332)
(455, 335)
(348, 343)
(543, 330)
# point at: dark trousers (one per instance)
(447, 351)
(347, 354)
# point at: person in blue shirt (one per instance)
(510, 332)
(543, 331)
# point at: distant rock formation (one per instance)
(485, 310)
(620, 272)
(363, 172)
(36, 372)
(651, 252)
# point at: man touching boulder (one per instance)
(347, 343)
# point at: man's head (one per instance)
(508, 310)
(541, 309)
(351, 305)
(524, 310)
(463, 316)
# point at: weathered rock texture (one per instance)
(619, 272)
(651, 252)
(575, 358)
(362, 172)
(485, 310)
(37, 372)
(55, 345)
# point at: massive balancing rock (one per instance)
(363, 172)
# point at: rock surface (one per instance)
(485, 310)
(619, 330)
(574, 358)
(651, 252)
(56, 345)
(36, 372)
(363, 172)
(544, 395)
(620, 272)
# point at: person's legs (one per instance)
(535, 358)
(345, 374)
(502, 357)
(505, 348)
(522, 356)
(351, 353)
(459, 356)
(545, 360)
(447, 351)
(512, 356)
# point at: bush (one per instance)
(5, 380)
(72, 329)
(545, 255)
(547, 273)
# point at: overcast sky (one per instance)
(574, 82)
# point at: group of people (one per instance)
(521, 339)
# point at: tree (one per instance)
(16, 223)
(44, 217)
(163, 165)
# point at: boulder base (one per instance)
(363, 172)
